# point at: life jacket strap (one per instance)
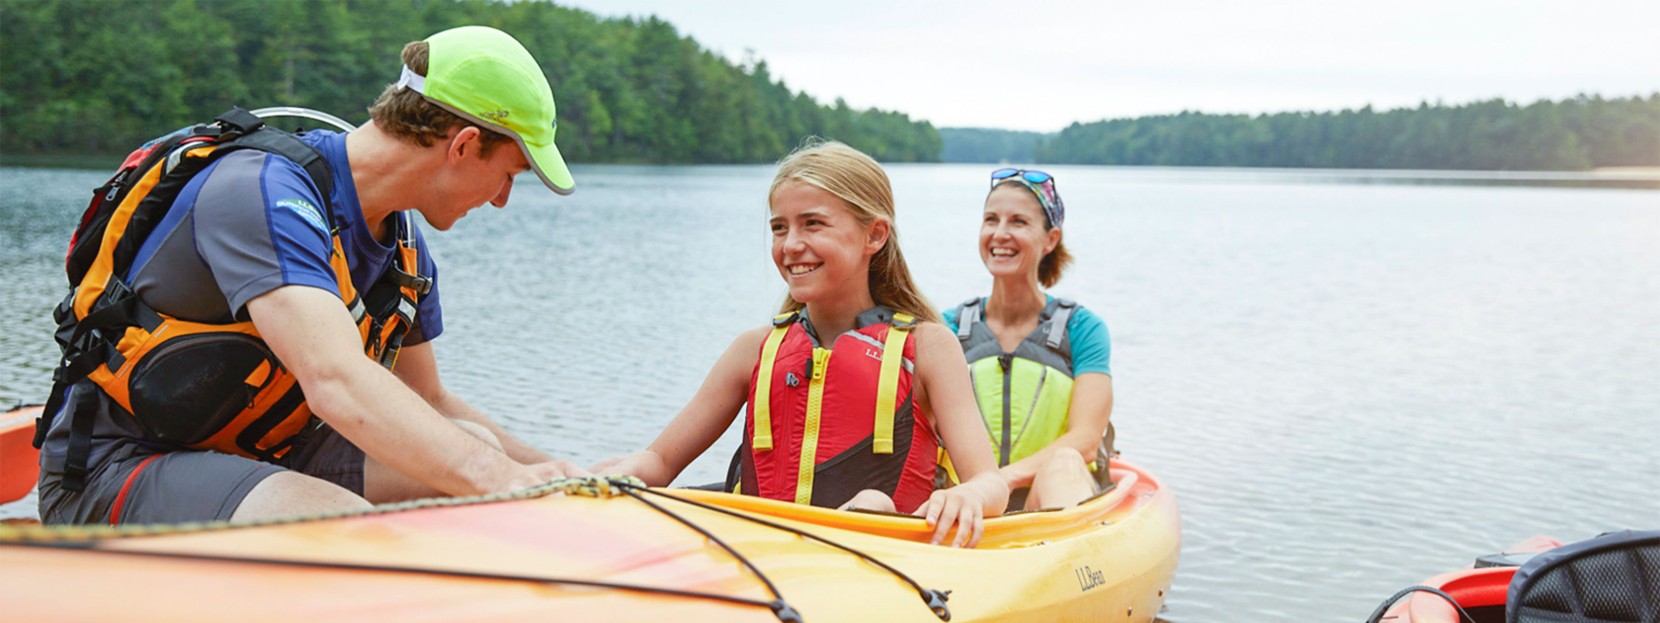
(1058, 322)
(240, 120)
(762, 409)
(945, 474)
(75, 468)
(967, 314)
(406, 272)
(887, 381)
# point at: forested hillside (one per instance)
(988, 145)
(1574, 134)
(99, 76)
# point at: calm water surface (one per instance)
(1351, 383)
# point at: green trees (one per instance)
(988, 145)
(100, 76)
(1573, 134)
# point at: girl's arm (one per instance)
(701, 421)
(946, 395)
(1087, 419)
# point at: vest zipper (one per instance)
(1006, 361)
(809, 435)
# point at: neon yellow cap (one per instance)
(487, 77)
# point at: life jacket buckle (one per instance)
(419, 283)
(240, 121)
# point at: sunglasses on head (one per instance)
(1035, 177)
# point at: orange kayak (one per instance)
(606, 550)
(19, 460)
(1479, 589)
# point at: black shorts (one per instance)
(136, 485)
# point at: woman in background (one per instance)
(1039, 365)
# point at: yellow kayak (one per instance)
(606, 550)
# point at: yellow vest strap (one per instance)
(763, 386)
(943, 459)
(887, 382)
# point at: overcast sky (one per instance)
(1043, 64)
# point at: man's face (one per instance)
(471, 180)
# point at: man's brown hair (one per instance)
(407, 114)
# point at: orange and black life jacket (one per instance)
(210, 386)
(824, 424)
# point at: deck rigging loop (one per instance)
(935, 599)
(1377, 615)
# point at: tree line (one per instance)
(101, 76)
(1573, 134)
(989, 145)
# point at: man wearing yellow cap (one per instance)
(257, 244)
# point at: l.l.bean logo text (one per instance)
(1088, 578)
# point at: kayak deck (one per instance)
(1109, 559)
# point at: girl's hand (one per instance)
(959, 506)
(645, 465)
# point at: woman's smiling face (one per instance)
(1013, 239)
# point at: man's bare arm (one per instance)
(418, 367)
(314, 337)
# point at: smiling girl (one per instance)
(852, 389)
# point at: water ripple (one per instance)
(1349, 387)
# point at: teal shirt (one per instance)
(1091, 344)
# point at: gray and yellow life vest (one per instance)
(1025, 396)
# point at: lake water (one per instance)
(1351, 380)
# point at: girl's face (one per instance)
(820, 248)
(1012, 238)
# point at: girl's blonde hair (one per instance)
(859, 181)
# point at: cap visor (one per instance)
(550, 166)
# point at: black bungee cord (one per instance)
(934, 598)
(1377, 615)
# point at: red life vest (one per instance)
(821, 428)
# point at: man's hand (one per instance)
(542, 473)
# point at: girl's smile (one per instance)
(818, 245)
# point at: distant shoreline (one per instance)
(1639, 178)
(1645, 173)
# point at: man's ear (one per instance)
(464, 143)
